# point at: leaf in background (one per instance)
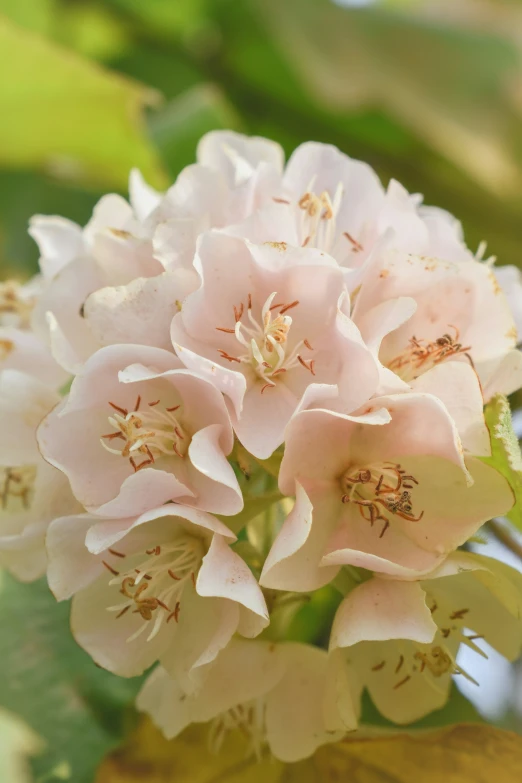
(64, 114)
(452, 87)
(459, 754)
(17, 744)
(166, 17)
(45, 678)
(505, 451)
(37, 15)
(178, 127)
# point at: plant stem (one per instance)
(501, 533)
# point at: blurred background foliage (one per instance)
(427, 91)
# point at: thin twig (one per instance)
(509, 541)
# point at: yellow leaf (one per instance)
(17, 743)
(69, 116)
(456, 754)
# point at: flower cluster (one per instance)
(275, 384)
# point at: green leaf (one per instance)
(179, 126)
(166, 17)
(63, 114)
(442, 82)
(45, 678)
(254, 506)
(505, 451)
(17, 744)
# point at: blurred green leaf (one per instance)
(22, 194)
(17, 744)
(450, 86)
(177, 129)
(46, 679)
(36, 15)
(166, 17)
(64, 114)
(505, 451)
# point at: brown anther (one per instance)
(475, 636)
(116, 553)
(113, 435)
(400, 664)
(307, 365)
(163, 606)
(176, 450)
(402, 682)
(384, 529)
(173, 575)
(110, 568)
(249, 302)
(193, 578)
(280, 200)
(305, 342)
(434, 607)
(288, 307)
(267, 386)
(356, 246)
(224, 329)
(123, 611)
(174, 408)
(304, 244)
(445, 632)
(138, 403)
(279, 371)
(459, 614)
(152, 404)
(238, 312)
(123, 411)
(379, 666)
(179, 433)
(175, 613)
(225, 355)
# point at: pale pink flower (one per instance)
(278, 695)
(113, 249)
(510, 280)
(234, 175)
(267, 329)
(329, 201)
(461, 314)
(19, 348)
(32, 492)
(163, 586)
(392, 496)
(401, 639)
(137, 430)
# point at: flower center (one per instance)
(266, 342)
(381, 491)
(16, 487)
(249, 719)
(434, 659)
(317, 220)
(421, 355)
(15, 310)
(145, 434)
(154, 589)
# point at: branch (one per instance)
(501, 534)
